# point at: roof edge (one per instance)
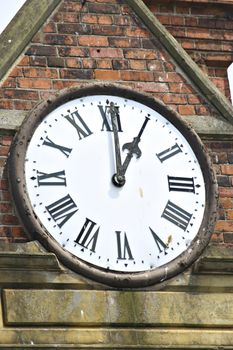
(19, 32)
(185, 62)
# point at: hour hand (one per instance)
(132, 147)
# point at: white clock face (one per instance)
(140, 225)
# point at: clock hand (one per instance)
(133, 148)
(118, 179)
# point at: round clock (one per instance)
(115, 184)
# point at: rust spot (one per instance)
(169, 239)
(141, 192)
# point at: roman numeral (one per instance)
(168, 153)
(160, 244)
(123, 248)
(181, 184)
(52, 179)
(107, 123)
(88, 235)
(176, 215)
(78, 123)
(62, 210)
(65, 150)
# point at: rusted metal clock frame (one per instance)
(35, 229)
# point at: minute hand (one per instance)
(133, 148)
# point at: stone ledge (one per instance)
(29, 265)
(38, 307)
(206, 126)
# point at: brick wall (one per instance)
(103, 40)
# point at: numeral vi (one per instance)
(123, 248)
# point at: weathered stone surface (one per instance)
(115, 338)
(97, 308)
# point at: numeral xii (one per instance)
(104, 111)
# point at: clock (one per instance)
(115, 184)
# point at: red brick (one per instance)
(40, 73)
(4, 150)
(217, 237)
(39, 61)
(18, 231)
(71, 6)
(73, 63)
(186, 110)
(30, 83)
(36, 50)
(49, 28)
(180, 88)
(56, 39)
(229, 214)
(89, 40)
(107, 30)
(88, 63)
(124, 42)
(72, 51)
(199, 33)
(154, 65)
(137, 64)
(89, 18)
(6, 104)
(225, 192)
(136, 75)
(16, 72)
(23, 105)
(152, 87)
(76, 73)
(176, 99)
(106, 53)
(24, 61)
(137, 32)
(21, 94)
(6, 140)
(68, 17)
(9, 83)
(224, 226)
(164, 19)
(6, 208)
(56, 61)
(62, 84)
(102, 74)
(104, 64)
(8, 219)
(103, 8)
(227, 169)
(105, 19)
(140, 54)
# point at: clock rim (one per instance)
(33, 227)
